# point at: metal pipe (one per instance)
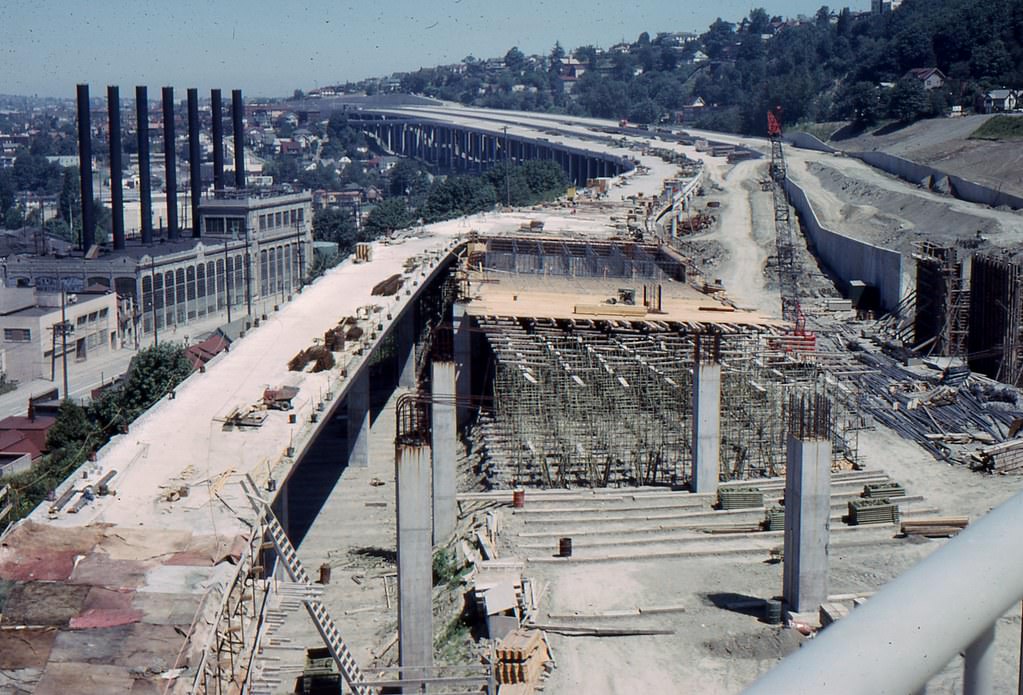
(116, 167)
(194, 168)
(237, 113)
(979, 664)
(85, 168)
(145, 183)
(218, 142)
(170, 160)
(926, 616)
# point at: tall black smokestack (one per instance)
(145, 191)
(116, 167)
(85, 167)
(237, 112)
(218, 142)
(194, 169)
(170, 160)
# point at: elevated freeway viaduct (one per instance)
(158, 585)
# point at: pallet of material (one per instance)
(935, 527)
(518, 645)
(521, 657)
(873, 511)
(774, 520)
(883, 490)
(740, 498)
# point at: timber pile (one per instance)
(740, 498)
(521, 657)
(388, 287)
(873, 511)
(883, 490)
(935, 527)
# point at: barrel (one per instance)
(772, 611)
(564, 547)
(325, 573)
(519, 499)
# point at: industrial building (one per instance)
(248, 248)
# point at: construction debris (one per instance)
(521, 656)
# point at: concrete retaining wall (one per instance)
(849, 259)
(808, 142)
(961, 188)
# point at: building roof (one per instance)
(22, 434)
(999, 93)
(204, 351)
(925, 73)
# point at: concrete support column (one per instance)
(979, 665)
(415, 561)
(444, 432)
(406, 349)
(807, 522)
(358, 420)
(706, 415)
(463, 361)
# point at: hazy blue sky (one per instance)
(270, 48)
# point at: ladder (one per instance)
(346, 663)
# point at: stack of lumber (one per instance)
(1006, 457)
(935, 527)
(775, 519)
(873, 511)
(521, 657)
(740, 498)
(883, 490)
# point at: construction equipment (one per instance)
(252, 416)
(279, 397)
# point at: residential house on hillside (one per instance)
(930, 78)
(1000, 101)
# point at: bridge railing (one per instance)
(912, 628)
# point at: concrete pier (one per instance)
(358, 420)
(706, 423)
(415, 561)
(444, 433)
(405, 345)
(461, 324)
(807, 523)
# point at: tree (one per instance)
(14, 218)
(908, 101)
(390, 215)
(408, 179)
(72, 434)
(337, 226)
(759, 21)
(514, 60)
(152, 373)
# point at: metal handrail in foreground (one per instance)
(915, 625)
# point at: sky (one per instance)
(272, 48)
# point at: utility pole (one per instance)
(63, 338)
(152, 299)
(301, 257)
(227, 278)
(248, 274)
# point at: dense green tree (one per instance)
(337, 226)
(390, 215)
(14, 218)
(908, 101)
(152, 373)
